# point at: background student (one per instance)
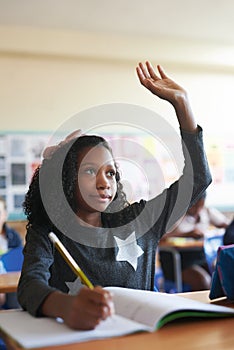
(113, 242)
(197, 223)
(9, 238)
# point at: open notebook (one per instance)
(136, 311)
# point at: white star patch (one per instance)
(74, 286)
(128, 250)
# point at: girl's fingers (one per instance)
(140, 74)
(151, 71)
(49, 151)
(162, 72)
(147, 71)
(100, 299)
(144, 70)
(73, 135)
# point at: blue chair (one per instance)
(12, 261)
(158, 280)
(211, 245)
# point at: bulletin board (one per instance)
(139, 158)
(144, 176)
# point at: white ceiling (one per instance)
(204, 20)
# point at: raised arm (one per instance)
(165, 88)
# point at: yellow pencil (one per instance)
(69, 260)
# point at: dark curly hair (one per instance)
(44, 202)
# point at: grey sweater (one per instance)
(122, 253)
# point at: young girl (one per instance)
(77, 194)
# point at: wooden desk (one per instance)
(9, 282)
(201, 334)
(182, 243)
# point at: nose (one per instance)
(102, 181)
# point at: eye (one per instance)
(111, 173)
(90, 171)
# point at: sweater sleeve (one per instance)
(34, 285)
(195, 179)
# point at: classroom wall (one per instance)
(48, 76)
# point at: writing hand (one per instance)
(88, 308)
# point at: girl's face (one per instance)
(97, 184)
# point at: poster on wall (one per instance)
(20, 154)
(18, 174)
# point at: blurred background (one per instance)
(60, 57)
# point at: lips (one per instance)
(104, 196)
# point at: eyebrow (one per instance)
(88, 163)
(95, 164)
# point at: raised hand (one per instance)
(159, 84)
(165, 88)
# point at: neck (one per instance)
(90, 219)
